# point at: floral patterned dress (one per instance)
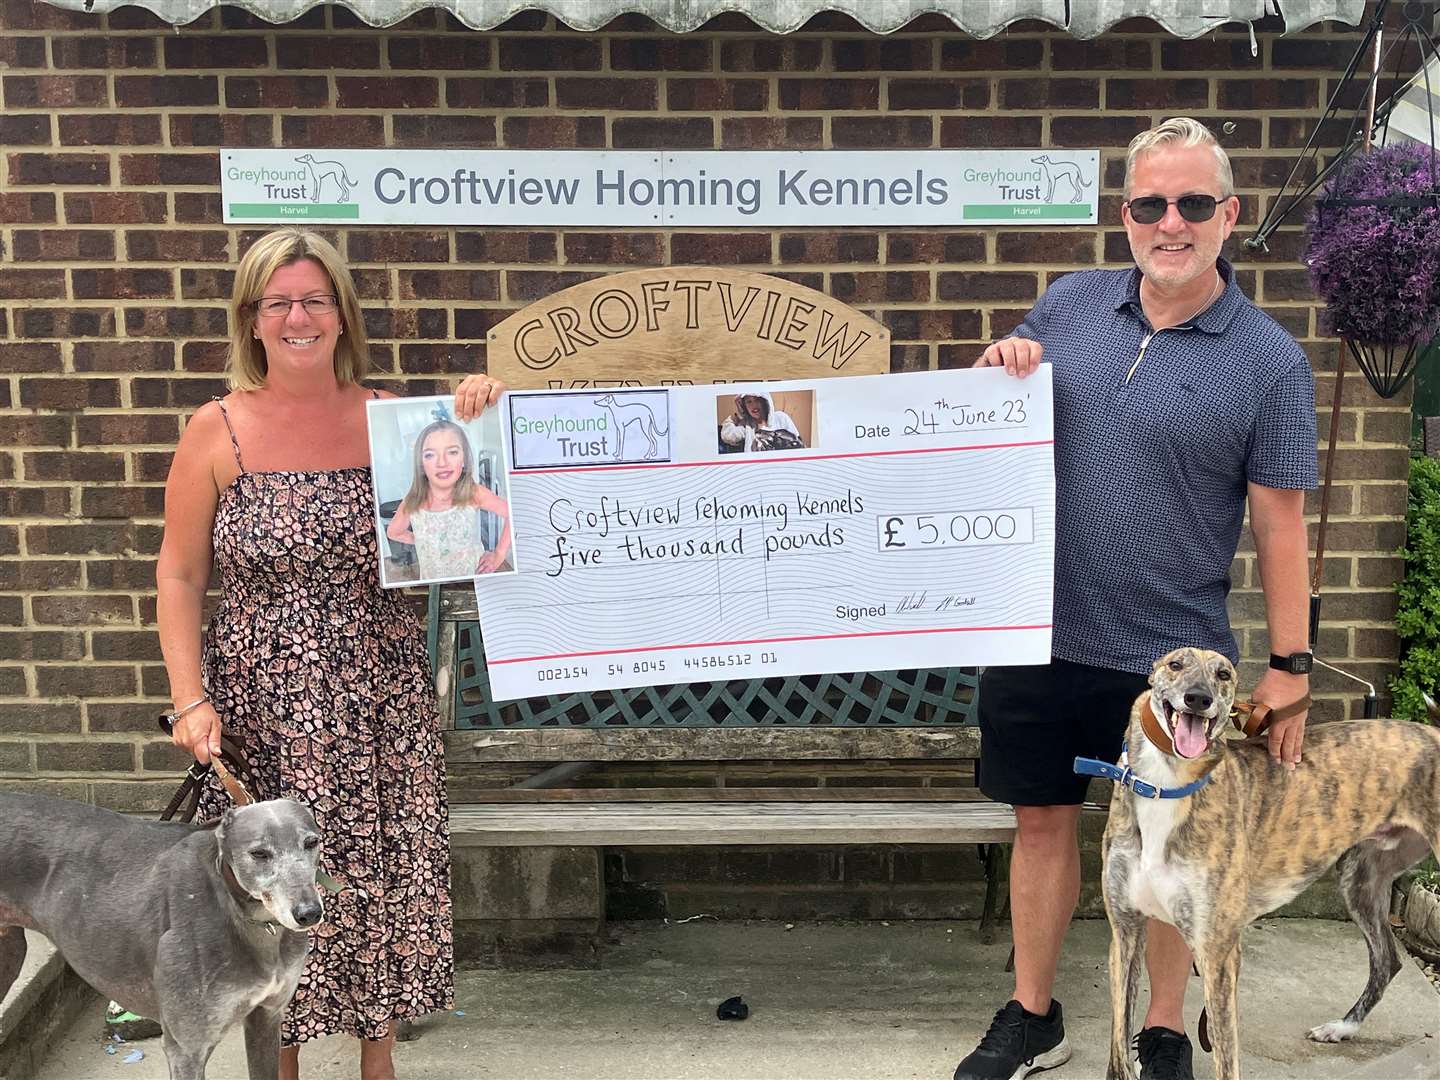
(324, 680)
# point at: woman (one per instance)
(757, 425)
(321, 675)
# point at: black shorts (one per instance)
(1036, 720)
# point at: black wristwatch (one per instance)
(1297, 663)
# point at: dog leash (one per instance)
(1259, 716)
(230, 768)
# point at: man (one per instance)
(1176, 399)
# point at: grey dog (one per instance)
(196, 926)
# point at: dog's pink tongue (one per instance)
(1189, 735)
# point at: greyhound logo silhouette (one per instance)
(625, 413)
(320, 171)
(1061, 170)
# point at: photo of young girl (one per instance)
(451, 520)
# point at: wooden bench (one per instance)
(520, 821)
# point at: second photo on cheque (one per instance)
(442, 509)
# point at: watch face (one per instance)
(1301, 663)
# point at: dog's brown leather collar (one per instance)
(1154, 730)
(1258, 716)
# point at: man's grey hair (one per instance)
(1180, 131)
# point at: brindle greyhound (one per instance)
(1252, 836)
(195, 926)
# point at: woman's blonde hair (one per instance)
(1180, 131)
(419, 492)
(245, 365)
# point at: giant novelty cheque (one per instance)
(908, 522)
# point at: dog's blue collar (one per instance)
(1122, 774)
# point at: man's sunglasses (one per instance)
(1148, 209)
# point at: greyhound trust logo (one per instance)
(1043, 187)
(576, 428)
(304, 187)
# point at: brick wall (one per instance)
(115, 266)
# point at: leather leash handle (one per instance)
(234, 787)
(1259, 716)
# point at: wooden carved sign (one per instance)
(683, 324)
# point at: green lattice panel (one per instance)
(920, 698)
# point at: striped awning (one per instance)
(980, 18)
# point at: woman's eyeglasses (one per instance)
(275, 306)
(1148, 209)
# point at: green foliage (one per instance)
(1418, 620)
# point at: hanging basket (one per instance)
(1387, 367)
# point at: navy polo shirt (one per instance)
(1151, 473)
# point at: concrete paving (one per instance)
(852, 1002)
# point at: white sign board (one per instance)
(662, 188)
(702, 532)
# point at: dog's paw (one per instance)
(1333, 1032)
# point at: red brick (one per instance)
(931, 324)
(123, 504)
(1096, 130)
(40, 575)
(993, 54)
(208, 53)
(159, 91)
(29, 356)
(27, 207)
(1100, 54)
(447, 359)
(1049, 93)
(554, 132)
(455, 52)
(100, 429)
(387, 324)
(1311, 53)
(1209, 54)
(386, 92)
(934, 94)
(226, 129)
(829, 94)
(668, 133)
(73, 465)
(87, 756)
(59, 169)
(535, 284)
(1045, 247)
(122, 575)
(906, 286)
(208, 283)
(933, 247)
(496, 92)
(109, 129)
(23, 52)
(113, 207)
(36, 502)
(550, 54)
(65, 322)
(504, 246)
(25, 129)
(186, 393)
(394, 245)
(829, 247)
(26, 284)
(629, 248)
(176, 322)
(611, 94)
(197, 208)
(444, 130)
(70, 393)
(35, 431)
(881, 132)
(124, 355)
(720, 248)
(674, 53)
(142, 170)
(449, 285)
(885, 54)
(126, 645)
(476, 323)
(990, 131)
(54, 91)
(121, 284)
(985, 285)
(313, 130)
(1268, 93)
(771, 132)
(1294, 131)
(277, 92)
(310, 51)
(177, 245)
(103, 51)
(716, 95)
(31, 15)
(772, 54)
(1288, 285)
(152, 466)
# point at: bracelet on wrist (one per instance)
(183, 710)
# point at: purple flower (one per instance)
(1377, 267)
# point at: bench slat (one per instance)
(462, 793)
(680, 824)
